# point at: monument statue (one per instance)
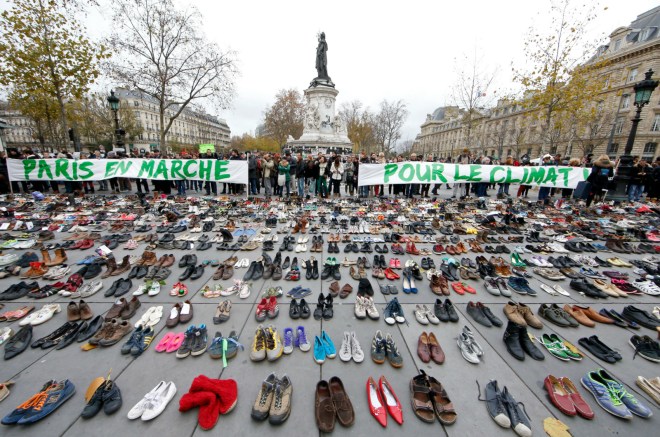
(322, 77)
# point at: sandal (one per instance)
(420, 397)
(444, 409)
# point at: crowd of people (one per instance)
(324, 176)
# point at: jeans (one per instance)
(363, 191)
(635, 192)
(321, 186)
(253, 186)
(301, 187)
(286, 185)
(180, 187)
(544, 193)
(504, 189)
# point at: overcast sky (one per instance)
(377, 49)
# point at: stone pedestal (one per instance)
(324, 131)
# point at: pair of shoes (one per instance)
(107, 397)
(51, 396)
(194, 343)
(518, 342)
(384, 347)
(267, 344)
(565, 396)
(213, 397)
(111, 332)
(267, 308)
(430, 400)
(81, 311)
(273, 400)
(393, 312)
(645, 347)
(332, 404)
(298, 340)
(471, 350)
(140, 340)
(299, 310)
(383, 400)
(350, 348)
(428, 348)
(600, 349)
(154, 402)
(613, 397)
(521, 314)
(224, 347)
(559, 348)
(483, 315)
(505, 410)
(323, 348)
(324, 308)
(365, 306)
(445, 311)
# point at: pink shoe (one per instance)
(175, 344)
(398, 263)
(393, 263)
(165, 342)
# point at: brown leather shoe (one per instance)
(435, 284)
(86, 312)
(228, 272)
(121, 330)
(451, 250)
(60, 258)
(529, 316)
(116, 309)
(460, 247)
(123, 267)
(334, 288)
(186, 312)
(36, 270)
(511, 312)
(343, 406)
(45, 257)
(437, 354)
(444, 284)
(218, 273)
(131, 308)
(423, 349)
(107, 329)
(578, 315)
(593, 314)
(324, 408)
(111, 266)
(345, 291)
(72, 312)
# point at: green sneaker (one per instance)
(556, 348)
(570, 350)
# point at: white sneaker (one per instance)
(345, 349)
(140, 291)
(43, 315)
(420, 315)
(245, 290)
(360, 308)
(154, 402)
(356, 350)
(430, 315)
(370, 306)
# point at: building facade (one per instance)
(189, 130)
(510, 129)
(20, 131)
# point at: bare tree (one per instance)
(161, 51)
(472, 90)
(519, 134)
(359, 124)
(389, 122)
(285, 117)
(590, 128)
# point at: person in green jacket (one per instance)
(284, 169)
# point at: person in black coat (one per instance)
(600, 175)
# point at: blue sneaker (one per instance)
(20, 411)
(328, 345)
(605, 395)
(319, 351)
(48, 401)
(288, 341)
(624, 396)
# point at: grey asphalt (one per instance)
(137, 376)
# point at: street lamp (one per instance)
(114, 106)
(643, 91)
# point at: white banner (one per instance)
(233, 171)
(441, 173)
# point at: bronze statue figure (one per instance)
(322, 58)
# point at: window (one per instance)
(655, 127)
(649, 148)
(618, 127)
(136, 103)
(632, 75)
(617, 44)
(625, 102)
(612, 149)
(645, 34)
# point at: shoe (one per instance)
(375, 401)
(154, 402)
(604, 395)
(280, 408)
(319, 350)
(262, 405)
(517, 416)
(48, 401)
(378, 348)
(495, 404)
(325, 410)
(391, 400)
(188, 341)
(393, 355)
(465, 346)
(18, 343)
(581, 406)
(258, 351)
(342, 404)
(274, 346)
(345, 348)
(559, 396)
(645, 347)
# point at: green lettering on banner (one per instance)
(564, 172)
(407, 172)
(426, 176)
(44, 168)
(86, 170)
(175, 169)
(221, 170)
(28, 166)
(494, 170)
(204, 171)
(110, 169)
(437, 173)
(189, 174)
(161, 169)
(475, 173)
(147, 167)
(586, 172)
(390, 169)
(509, 176)
(123, 167)
(536, 175)
(61, 169)
(458, 176)
(551, 176)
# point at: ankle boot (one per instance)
(315, 269)
(111, 265)
(528, 346)
(121, 268)
(60, 258)
(46, 257)
(512, 340)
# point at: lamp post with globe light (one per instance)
(119, 133)
(643, 91)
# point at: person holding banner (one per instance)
(284, 177)
(336, 173)
(322, 181)
(461, 189)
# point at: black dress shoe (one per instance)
(197, 272)
(183, 262)
(192, 260)
(305, 312)
(49, 340)
(123, 287)
(250, 271)
(113, 288)
(133, 273)
(142, 272)
(440, 311)
(528, 345)
(478, 315)
(86, 332)
(451, 311)
(204, 246)
(187, 273)
(70, 336)
(19, 342)
(294, 310)
(286, 263)
(512, 341)
(258, 271)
